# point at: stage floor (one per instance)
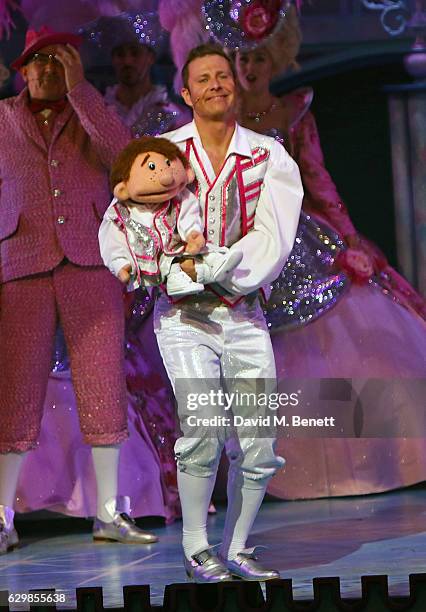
(347, 537)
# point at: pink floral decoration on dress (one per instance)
(260, 18)
(357, 265)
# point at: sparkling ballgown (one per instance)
(328, 324)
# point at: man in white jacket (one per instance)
(250, 193)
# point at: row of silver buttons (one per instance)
(211, 209)
(57, 192)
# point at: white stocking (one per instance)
(10, 466)
(243, 506)
(105, 461)
(195, 493)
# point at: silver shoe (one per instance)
(8, 536)
(122, 528)
(206, 567)
(246, 566)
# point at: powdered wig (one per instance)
(284, 46)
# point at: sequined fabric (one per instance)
(322, 202)
(367, 335)
(156, 122)
(144, 240)
(277, 134)
(89, 304)
(152, 114)
(201, 341)
(309, 284)
(231, 214)
(60, 359)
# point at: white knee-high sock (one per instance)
(243, 506)
(105, 461)
(10, 466)
(195, 494)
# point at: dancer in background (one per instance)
(143, 106)
(350, 316)
(58, 129)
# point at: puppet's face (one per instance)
(154, 179)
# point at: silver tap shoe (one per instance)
(8, 536)
(246, 566)
(206, 567)
(122, 528)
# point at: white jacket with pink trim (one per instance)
(147, 240)
(252, 205)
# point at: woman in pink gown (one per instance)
(337, 311)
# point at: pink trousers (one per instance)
(88, 303)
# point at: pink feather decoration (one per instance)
(60, 16)
(183, 20)
(6, 21)
(72, 14)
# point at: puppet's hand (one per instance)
(195, 242)
(188, 266)
(71, 61)
(124, 274)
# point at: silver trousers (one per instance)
(204, 343)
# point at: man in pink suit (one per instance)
(58, 140)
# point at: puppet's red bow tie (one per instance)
(36, 106)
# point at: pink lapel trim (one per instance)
(225, 205)
(243, 202)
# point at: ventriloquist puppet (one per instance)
(154, 220)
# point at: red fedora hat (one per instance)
(45, 36)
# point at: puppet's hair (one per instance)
(122, 166)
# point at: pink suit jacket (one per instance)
(53, 197)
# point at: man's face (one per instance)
(44, 75)
(132, 63)
(211, 88)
